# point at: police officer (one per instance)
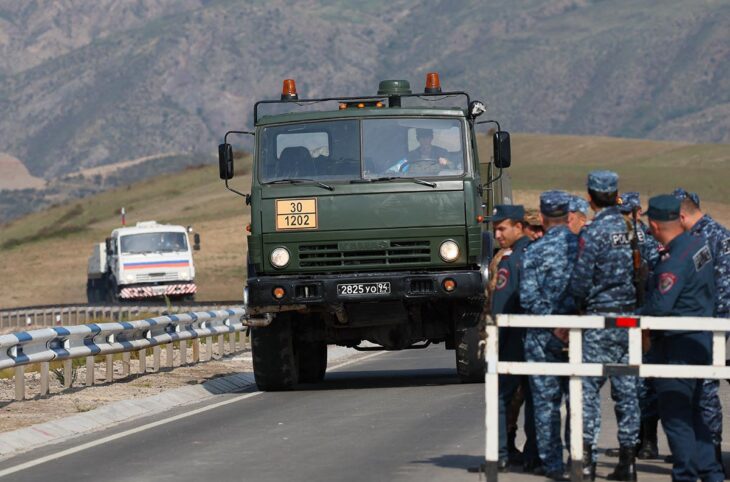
(578, 216)
(546, 267)
(718, 238)
(508, 221)
(601, 283)
(649, 248)
(682, 285)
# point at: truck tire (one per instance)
(91, 291)
(467, 335)
(311, 360)
(272, 350)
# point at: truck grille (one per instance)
(397, 253)
(152, 277)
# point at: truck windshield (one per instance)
(332, 150)
(153, 243)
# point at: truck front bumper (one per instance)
(327, 290)
(142, 292)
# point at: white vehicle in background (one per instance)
(143, 262)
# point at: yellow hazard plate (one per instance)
(294, 214)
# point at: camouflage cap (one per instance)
(603, 181)
(554, 204)
(681, 194)
(578, 205)
(628, 201)
(532, 217)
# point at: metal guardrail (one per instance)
(575, 368)
(17, 350)
(75, 314)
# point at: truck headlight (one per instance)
(129, 277)
(280, 257)
(449, 251)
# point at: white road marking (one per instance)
(142, 428)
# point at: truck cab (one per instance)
(367, 225)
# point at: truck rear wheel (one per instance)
(311, 360)
(274, 360)
(467, 335)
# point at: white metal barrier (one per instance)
(575, 368)
(65, 343)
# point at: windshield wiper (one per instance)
(393, 178)
(298, 181)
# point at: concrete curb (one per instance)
(24, 439)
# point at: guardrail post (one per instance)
(142, 355)
(232, 342)
(109, 368)
(196, 350)
(183, 352)
(491, 395)
(221, 347)
(575, 357)
(89, 370)
(156, 350)
(242, 340)
(170, 361)
(45, 368)
(67, 373)
(20, 383)
(209, 348)
(126, 360)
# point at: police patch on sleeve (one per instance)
(666, 282)
(502, 278)
(702, 257)
(620, 239)
(725, 246)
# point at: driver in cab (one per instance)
(426, 150)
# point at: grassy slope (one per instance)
(43, 256)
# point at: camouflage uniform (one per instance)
(546, 267)
(602, 284)
(718, 239)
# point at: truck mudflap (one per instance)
(265, 292)
(140, 292)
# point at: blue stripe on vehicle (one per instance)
(147, 263)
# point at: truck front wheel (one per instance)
(311, 360)
(467, 335)
(274, 360)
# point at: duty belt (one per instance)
(613, 309)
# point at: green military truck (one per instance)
(367, 225)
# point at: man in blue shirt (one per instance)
(602, 283)
(682, 285)
(695, 222)
(508, 221)
(546, 267)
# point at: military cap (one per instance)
(603, 181)
(578, 205)
(532, 217)
(681, 194)
(664, 207)
(554, 204)
(628, 201)
(515, 212)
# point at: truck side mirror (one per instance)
(225, 161)
(196, 242)
(109, 246)
(502, 151)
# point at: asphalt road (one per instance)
(395, 416)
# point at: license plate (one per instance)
(359, 289)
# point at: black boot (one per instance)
(514, 454)
(626, 467)
(589, 468)
(649, 448)
(718, 455)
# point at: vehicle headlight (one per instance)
(449, 251)
(129, 277)
(280, 257)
